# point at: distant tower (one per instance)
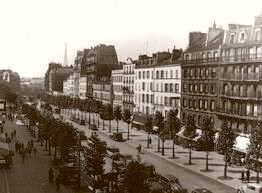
(65, 56)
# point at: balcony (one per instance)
(242, 58)
(202, 61)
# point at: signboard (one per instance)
(2, 105)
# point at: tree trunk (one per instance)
(94, 118)
(46, 144)
(89, 118)
(225, 168)
(163, 147)
(257, 171)
(103, 124)
(158, 144)
(147, 139)
(49, 147)
(55, 153)
(109, 126)
(206, 160)
(117, 126)
(173, 148)
(127, 131)
(97, 120)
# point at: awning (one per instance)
(242, 142)
(4, 148)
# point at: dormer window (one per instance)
(232, 37)
(258, 34)
(242, 36)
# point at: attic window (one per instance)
(242, 36)
(232, 37)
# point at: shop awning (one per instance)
(4, 148)
(242, 142)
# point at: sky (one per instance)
(33, 33)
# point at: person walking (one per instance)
(248, 175)
(57, 182)
(34, 151)
(242, 175)
(50, 175)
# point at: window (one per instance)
(255, 111)
(139, 74)
(143, 86)
(200, 104)
(206, 104)
(171, 74)
(242, 36)
(147, 75)
(258, 34)
(212, 105)
(143, 98)
(176, 88)
(232, 37)
(143, 74)
(176, 73)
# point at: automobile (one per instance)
(117, 136)
(93, 127)
(111, 151)
(82, 135)
(201, 190)
(82, 122)
(155, 187)
(171, 183)
(250, 188)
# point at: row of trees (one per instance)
(171, 126)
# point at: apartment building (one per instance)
(167, 88)
(102, 91)
(117, 86)
(200, 76)
(241, 73)
(128, 87)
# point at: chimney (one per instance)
(258, 19)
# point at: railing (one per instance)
(233, 58)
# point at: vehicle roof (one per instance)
(171, 177)
(202, 190)
(255, 185)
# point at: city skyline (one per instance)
(34, 33)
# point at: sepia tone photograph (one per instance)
(121, 96)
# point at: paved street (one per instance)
(178, 167)
(30, 176)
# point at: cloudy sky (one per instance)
(33, 32)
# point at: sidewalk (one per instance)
(32, 175)
(198, 158)
(216, 161)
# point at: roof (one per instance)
(201, 43)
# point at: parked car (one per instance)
(117, 136)
(111, 151)
(171, 183)
(250, 188)
(201, 190)
(82, 122)
(82, 135)
(93, 127)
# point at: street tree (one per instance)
(190, 130)
(109, 115)
(127, 119)
(159, 121)
(148, 125)
(225, 142)
(135, 177)
(254, 148)
(94, 154)
(208, 137)
(117, 115)
(174, 125)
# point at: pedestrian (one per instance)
(150, 141)
(248, 175)
(242, 175)
(57, 182)
(139, 147)
(34, 151)
(50, 175)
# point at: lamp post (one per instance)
(258, 165)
